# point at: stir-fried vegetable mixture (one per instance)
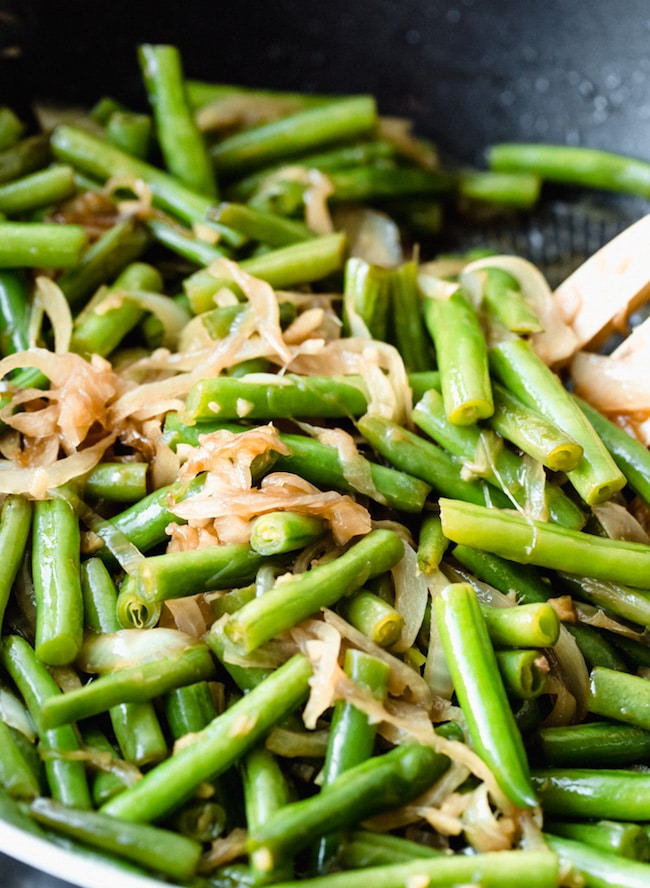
(313, 566)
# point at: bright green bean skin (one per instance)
(600, 869)
(220, 744)
(139, 843)
(183, 148)
(628, 840)
(547, 545)
(286, 603)
(14, 311)
(57, 583)
(41, 244)
(596, 476)
(15, 526)
(17, 776)
(617, 794)
(592, 745)
(475, 673)
(495, 869)
(619, 696)
(38, 189)
(66, 778)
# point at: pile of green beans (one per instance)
(290, 704)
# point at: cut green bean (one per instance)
(377, 784)
(363, 848)
(619, 696)
(57, 584)
(407, 319)
(140, 843)
(624, 601)
(533, 434)
(375, 618)
(300, 263)
(17, 776)
(596, 477)
(136, 726)
(599, 868)
(11, 127)
(228, 737)
(500, 465)
(15, 527)
(480, 691)
(188, 709)
(176, 574)
(14, 311)
(41, 245)
(523, 673)
(36, 190)
(292, 600)
(534, 625)
(23, 157)
(337, 120)
(618, 794)
(227, 397)
(593, 745)
(527, 541)
(366, 299)
(277, 532)
(66, 776)
(461, 355)
(132, 684)
(507, 189)
(573, 165)
(265, 791)
(182, 145)
(267, 228)
(432, 543)
(117, 482)
(625, 839)
(131, 132)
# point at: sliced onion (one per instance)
(131, 647)
(51, 299)
(411, 597)
(14, 714)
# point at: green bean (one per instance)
(425, 460)
(600, 869)
(41, 244)
(596, 649)
(227, 397)
(285, 531)
(107, 781)
(299, 263)
(57, 584)
(596, 477)
(619, 794)
(15, 526)
(406, 316)
(131, 684)
(381, 183)
(185, 243)
(36, 190)
(337, 120)
(135, 725)
(17, 776)
(117, 482)
(593, 745)
(503, 469)
(503, 300)
(523, 673)
(432, 543)
(374, 617)
(573, 165)
(375, 785)
(534, 625)
(189, 708)
(96, 158)
(507, 189)
(14, 312)
(462, 359)
(526, 541)
(120, 245)
(245, 677)
(480, 691)
(268, 228)
(176, 574)
(228, 737)
(66, 777)
(624, 601)
(182, 145)
(301, 595)
(130, 131)
(619, 696)
(265, 791)
(494, 869)
(363, 848)
(140, 843)
(11, 127)
(522, 581)
(532, 433)
(366, 299)
(629, 454)
(132, 611)
(625, 839)
(23, 157)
